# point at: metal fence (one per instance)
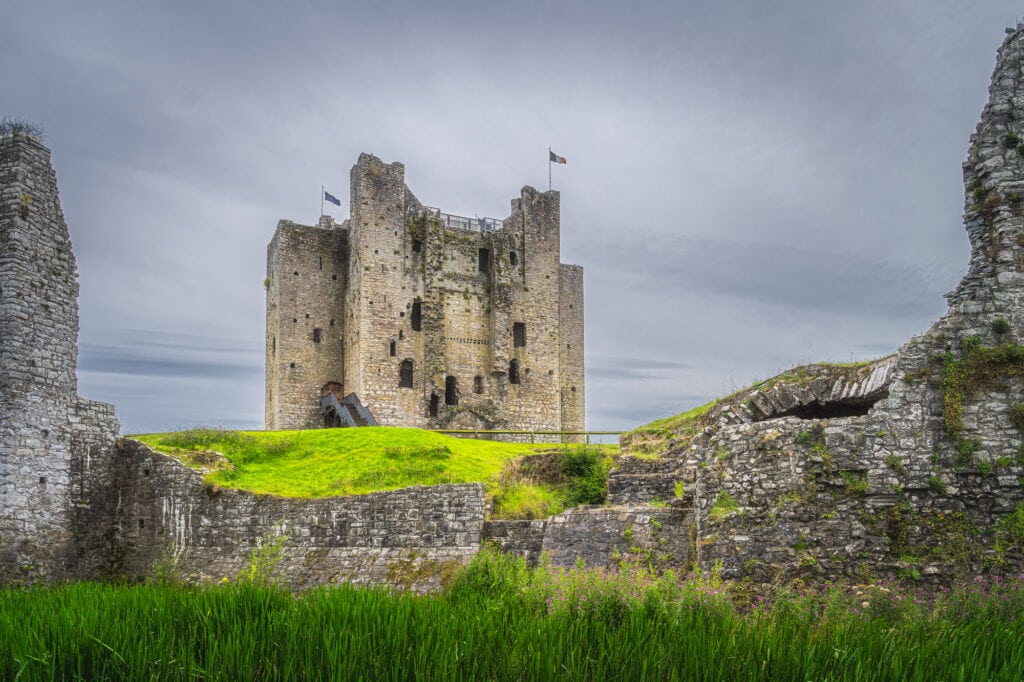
(477, 433)
(458, 222)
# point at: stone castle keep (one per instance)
(909, 467)
(432, 320)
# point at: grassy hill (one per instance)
(327, 462)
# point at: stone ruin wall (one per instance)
(413, 538)
(395, 253)
(409, 538)
(53, 444)
(894, 492)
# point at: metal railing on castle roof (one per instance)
(458, 222)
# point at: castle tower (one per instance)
(445, 321)
(307, 270)
(382, 292)
(46, 432)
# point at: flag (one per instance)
(333, 199)
(556, 158)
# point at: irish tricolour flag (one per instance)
(555, 158)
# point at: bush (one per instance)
(585, 468)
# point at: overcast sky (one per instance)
(750, 185)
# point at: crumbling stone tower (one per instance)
(433, 320)
(54, 446)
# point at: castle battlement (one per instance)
(434, 320)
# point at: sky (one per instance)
(750, 185)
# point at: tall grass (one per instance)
(500, 620)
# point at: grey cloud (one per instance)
(749, 184)
(130, 360)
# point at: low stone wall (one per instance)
(606, 536)
(520, 538)
(411, 538)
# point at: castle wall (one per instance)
(570, 337)
(307, 271)
(410, 538)
(535, 402)
(45, 438)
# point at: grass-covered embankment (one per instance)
(502, 621)
(326, 462)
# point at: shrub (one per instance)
(585, 468)
(1000, 326)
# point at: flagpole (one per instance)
(321, 203)
(549, 169)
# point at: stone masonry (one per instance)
(433, 320)
(908, 467)
(53, 444)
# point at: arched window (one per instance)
(513, 372)
(433, 405)
(405, 374)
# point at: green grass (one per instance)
(328, 462)
(502, 621)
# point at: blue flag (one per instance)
(331, 198)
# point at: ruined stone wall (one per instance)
(46, 434)
(647, 536)
(307, 270)
(910, 467)
(410, 538)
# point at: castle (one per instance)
(909, 467)
(432, 320)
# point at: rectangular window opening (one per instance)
(484, 260)
(519, 335)
(316, 335)
(405, 374)
(416, 318)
